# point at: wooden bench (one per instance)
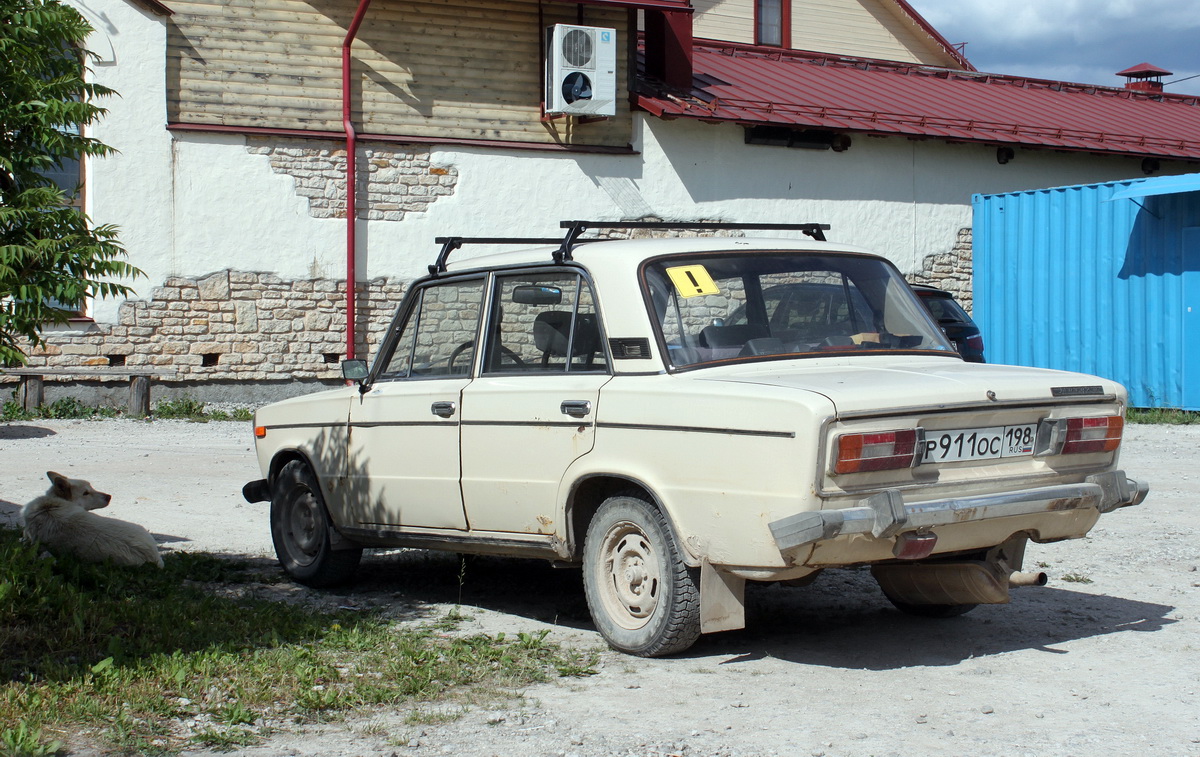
(31, 392)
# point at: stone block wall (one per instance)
(392, 181)
(231, 325)
(951, 270)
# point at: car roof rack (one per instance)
(450, 244)
(574, 229)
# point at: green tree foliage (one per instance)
(51, 256)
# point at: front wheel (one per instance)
(643, 598)
(300, 530)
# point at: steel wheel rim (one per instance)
(303, 533)
(630, 577)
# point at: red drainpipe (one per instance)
(351, 175)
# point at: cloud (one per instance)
(1072, 40)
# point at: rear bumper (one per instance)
(885, 514)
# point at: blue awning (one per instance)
(1159, 185)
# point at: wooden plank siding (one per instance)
(861, 28)
(728, 20)
(424, 69)
(858, 28)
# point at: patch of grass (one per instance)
(1162, 416)
(1076, 578)
(67, 408)
(578, 665)
(22, 741)
(12, 411)
(70, 408)
(226, 740)
(149, 661)
(184, 407)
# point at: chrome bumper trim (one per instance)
(884, 514)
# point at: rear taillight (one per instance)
(975, 343)
(1093, 434)
(886, 450)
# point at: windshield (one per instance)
(722, 306)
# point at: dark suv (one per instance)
(954, 321)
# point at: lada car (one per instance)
(641, 409)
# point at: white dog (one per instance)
(60, 520)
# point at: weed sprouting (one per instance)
(1163, 416)
(185, 408)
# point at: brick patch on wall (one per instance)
(231, 325)
(950, 270)
(392, 181)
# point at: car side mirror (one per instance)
(355, 370)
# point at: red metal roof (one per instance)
(752, 85)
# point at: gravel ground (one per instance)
(1104, 666)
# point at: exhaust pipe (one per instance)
(1027, 579)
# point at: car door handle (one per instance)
(576, 408)
(443, 409)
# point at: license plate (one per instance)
(979, 443)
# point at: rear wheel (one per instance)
(643, 598)
(300, 530)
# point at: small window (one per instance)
(67, 175)
(438, 337)
(772, 22)
(545, 323)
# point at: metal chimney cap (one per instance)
(1143, 70)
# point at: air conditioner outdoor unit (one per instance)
(581, 70)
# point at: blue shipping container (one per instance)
(1096, 278)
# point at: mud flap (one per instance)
(722, 600)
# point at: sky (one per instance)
(1084, 41)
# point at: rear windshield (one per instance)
(944, 309)
(751, 305)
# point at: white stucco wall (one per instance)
(132, 188)
(191, 203)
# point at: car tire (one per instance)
(643, 598)
(300, 531)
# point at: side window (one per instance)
(540, 319)
(438, 339)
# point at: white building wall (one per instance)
(132, 188)
(223, 207)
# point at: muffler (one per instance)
(971, 582)
(1036, 578)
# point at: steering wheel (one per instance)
(506, 352)
(460, 349)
